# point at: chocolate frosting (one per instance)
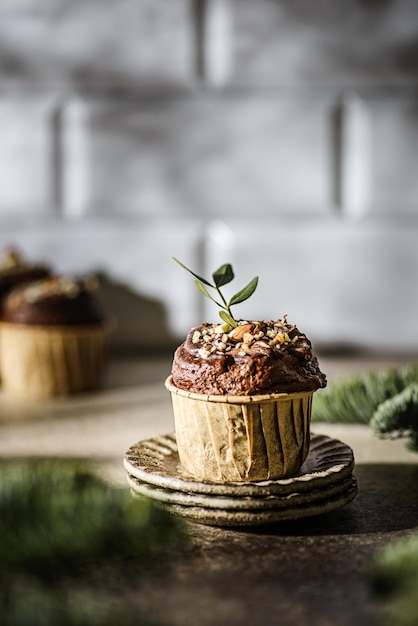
(255, 358)
(14, 271)
(55, 301)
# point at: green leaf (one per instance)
(202, 280)
(203, 290)
(223, 275)
(206, 293)
(227, 318)
(245, 293)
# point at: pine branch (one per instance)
(354, 399)
(399, 416)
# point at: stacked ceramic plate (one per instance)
(325, 482)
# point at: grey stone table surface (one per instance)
(311, 571)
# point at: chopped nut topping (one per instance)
(248, 338)
(244, 338)
(11, 259)
(196, 336)
(241, 330)
(263, 344)
(48, 287)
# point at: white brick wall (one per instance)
(323, 43)
(95, 44)
(277, 136)
(211, 155)
(394, 156)
(345, 283)
(26, 155)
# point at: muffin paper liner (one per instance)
(46, 361)
(241, 438)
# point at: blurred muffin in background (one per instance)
(53, 334)
(16, 270)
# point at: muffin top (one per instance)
(54, 301)
(254, 358)
(15, 270)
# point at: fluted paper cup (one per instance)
(46, 361)
(241, 438)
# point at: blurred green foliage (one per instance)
(399, 415)
(394, 577)
(384, 399)
(387, 400)
(66, 537)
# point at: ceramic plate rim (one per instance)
(248, 518)
(164, 449)
(237, 503)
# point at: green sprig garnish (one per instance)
(222, 276)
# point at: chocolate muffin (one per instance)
(242, 400)
(253, 358)
(53, 335)
(15, 270)
(55, 301)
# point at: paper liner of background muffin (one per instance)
(45, 361)
(241, 438)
